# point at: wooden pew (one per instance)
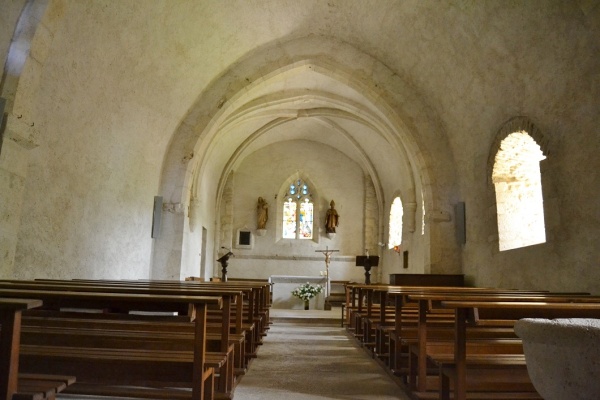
(243, 336)
(255, 311)
(503, 312)
(121, 367)
(364, 318)
(374, 323)
(408, 325)
(337, 296)
(257, 295)
(258, 300)
(549, 307)
(15, 385)
(158, 287)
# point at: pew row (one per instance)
(549, 307)
(13, 384)
(244, 315)
(457, 363)
(415, 339)
(250, 316)
(196, 371)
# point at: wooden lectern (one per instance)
(367, 262)
(224, 263)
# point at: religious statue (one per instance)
(262, 210)
(332, 219)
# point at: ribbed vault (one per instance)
(311, 98)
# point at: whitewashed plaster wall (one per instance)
(556, 87)
(19, 21)
(111, 83)
(416, 126)
(12, 172)
(333, 176)
(87, 207)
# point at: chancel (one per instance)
(148, 141)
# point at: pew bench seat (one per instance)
(41, 386)
(143, 367)
(153, 344)
(499, 375)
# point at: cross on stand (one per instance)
(327, 253)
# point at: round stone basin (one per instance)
(563, 356)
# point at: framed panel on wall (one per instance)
(244, 239)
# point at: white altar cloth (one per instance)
(282, 291)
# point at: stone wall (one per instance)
(266, 173)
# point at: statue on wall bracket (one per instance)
(262, 215)
(332, 220)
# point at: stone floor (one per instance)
(313, 358)
(307, 355)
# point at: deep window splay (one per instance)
(518, 185)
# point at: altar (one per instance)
(282, 291)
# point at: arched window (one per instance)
(395, 231)
(298, 212)
(517, 181)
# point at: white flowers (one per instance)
(307, 291)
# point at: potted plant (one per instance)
(307, 292)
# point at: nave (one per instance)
(307, 359)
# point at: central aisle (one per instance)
(307, 360)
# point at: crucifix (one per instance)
(327, 253)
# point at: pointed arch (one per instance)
(298, 194)
(241, 94)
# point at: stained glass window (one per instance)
(298, 225)
(289, 219)
(306, 219)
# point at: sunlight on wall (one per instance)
(395, 232)
(518, 185)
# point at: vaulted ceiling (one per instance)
(118, 96)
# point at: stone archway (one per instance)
(411, 132)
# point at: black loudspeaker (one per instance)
(460, 220)
(2, 127)
(2, 107)
(156, 215)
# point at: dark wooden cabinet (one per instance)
(427, 279)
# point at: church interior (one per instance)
(144, 143)
(138, 137)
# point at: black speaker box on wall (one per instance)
(2, 107)
(460, 219)
(156, 216)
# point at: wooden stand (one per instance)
(367, 262)
(224, 263)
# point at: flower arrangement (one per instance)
(307, 291)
